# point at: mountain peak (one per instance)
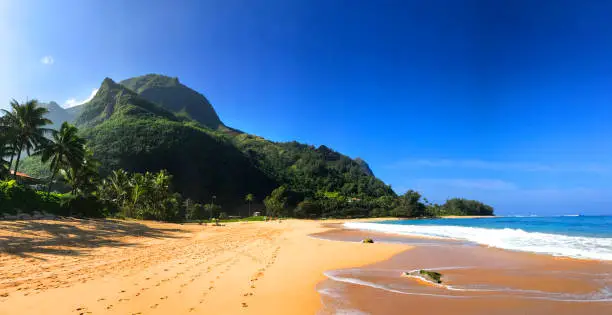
(171, 94)
(57, 114)
(108, 83)
(113, 97)
(141, 83)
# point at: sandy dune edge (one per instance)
(135, 267)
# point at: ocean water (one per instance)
(582, 237)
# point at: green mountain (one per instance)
(74, 111)
(364, 166)
(128, 132)
(174, 96)
(145, 125)
(114, 100)
(57, 114)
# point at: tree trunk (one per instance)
(11, 162)
(49, 186)
(250, 215)
(17, 162)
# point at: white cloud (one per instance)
(71, 102)
(47, 60)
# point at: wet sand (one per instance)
(476, 280)
(140, 267)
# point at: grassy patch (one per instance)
(367, 241)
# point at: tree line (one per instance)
(72, 164)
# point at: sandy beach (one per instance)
(141, 267)
(136, 267)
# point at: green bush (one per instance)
(307, 209)
(15, 197)
(379, 212)
(89, 206)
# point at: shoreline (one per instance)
(557, 245)
(515, 282)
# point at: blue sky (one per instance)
(508, 102)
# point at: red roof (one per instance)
(20, 174)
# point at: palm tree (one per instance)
(5, 150)
(82, 176)
(66, 149)
(140, 191)
(26, 122)
(8, 139)
(116, 187)
(249, 198)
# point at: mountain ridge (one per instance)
(178, 98)
(129, 131)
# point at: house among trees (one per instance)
(26, 179)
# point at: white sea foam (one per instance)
(512, 239)
(602, 295)
(334, 276)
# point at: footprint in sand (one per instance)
(163, 297)
(244, 304)
(154, 305)
(109, 307)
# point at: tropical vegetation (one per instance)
(152, 148)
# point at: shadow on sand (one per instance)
(71, 237)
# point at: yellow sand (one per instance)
(136, 267)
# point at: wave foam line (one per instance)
(602, 295)
(511, 239)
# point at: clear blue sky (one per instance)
(509, 102)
